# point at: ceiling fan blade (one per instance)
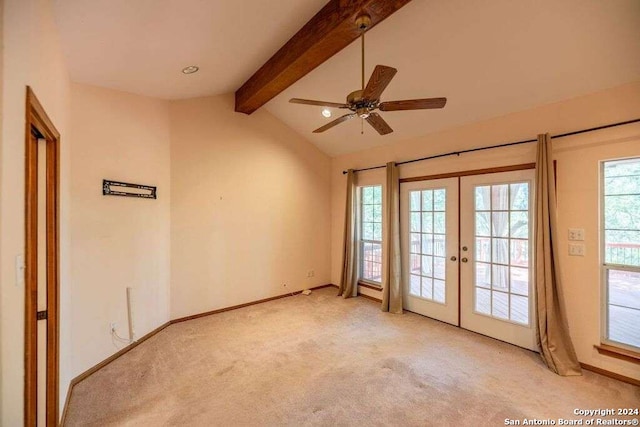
(379, 124)
(334, 122)
(413, 104)
(318, 103)
(378, 82)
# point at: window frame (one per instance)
(361, 241)
(606, 267)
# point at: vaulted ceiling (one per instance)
(141, 46)
(489, 58)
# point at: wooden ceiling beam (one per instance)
(327, 33)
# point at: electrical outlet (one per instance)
(576, 234)
(576, 249)
(311, 273)
(112, 327)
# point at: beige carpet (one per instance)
(322, 360)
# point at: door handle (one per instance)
(453, 258)
(464, 260)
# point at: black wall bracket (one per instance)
(125, 189)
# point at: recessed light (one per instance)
(190, 69)
(326, 112)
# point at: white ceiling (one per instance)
(141, 46)
(488, 57)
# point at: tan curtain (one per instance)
(554, 341)
(391, 284)
(349, 279)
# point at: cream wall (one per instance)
(31, 56)
(578, 181)
(250, 207)
(117, 242)
(577, 185)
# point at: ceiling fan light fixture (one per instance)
(190, 69)
(363, 113)
(326, 113)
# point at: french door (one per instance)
(467, 259)
(496, 256)
(430, 247)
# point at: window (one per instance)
(621, 251)
(371, 233)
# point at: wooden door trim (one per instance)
(39, 125)
(31, 281)
(53, 282)
(511, 168)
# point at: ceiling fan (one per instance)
(363, 103)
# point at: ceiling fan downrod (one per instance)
(363, 22)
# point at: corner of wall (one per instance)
(246, 189)
(117, 242)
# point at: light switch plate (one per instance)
(576, 249)
(576, 234)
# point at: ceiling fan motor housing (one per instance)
(362, 107)
(354, 97)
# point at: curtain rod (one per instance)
(471, 150)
